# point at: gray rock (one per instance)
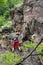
(33, 16)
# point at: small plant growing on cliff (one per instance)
(9, 59)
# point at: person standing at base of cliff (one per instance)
(15, 44)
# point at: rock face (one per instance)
(33, 15)
(17, 18)
(28, 18)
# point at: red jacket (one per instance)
(15, 44)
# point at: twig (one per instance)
(37, 54)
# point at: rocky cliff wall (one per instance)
(33, 15)
(28, 18)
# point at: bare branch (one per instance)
(37, 54)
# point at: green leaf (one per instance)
(3, 1)
(18, 3)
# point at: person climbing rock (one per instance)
(15, 44)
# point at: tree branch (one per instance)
(37, 54)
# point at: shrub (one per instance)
(9, 58)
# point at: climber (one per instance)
(15, 44)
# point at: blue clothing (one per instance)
(27, 41)
(14, 38)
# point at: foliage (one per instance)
(39, 49)
(3, 1)
(18, 3)
(9, 58)
(9, 4)
(29, 45)
(5, 6)
(4, 23)
(33, 45)
(2, 19)
(7, 24)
